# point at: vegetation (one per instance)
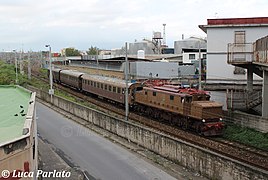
(8, 75)
(93, 51)
(247, 136)
(72, 52)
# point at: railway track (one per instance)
(242, 153)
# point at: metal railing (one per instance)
(240, 53)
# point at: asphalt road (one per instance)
(91, 152)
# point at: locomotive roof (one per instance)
(167, 92)
(176, 90)
(107, 80)
(72, 73)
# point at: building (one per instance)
(189, 49)
(220, 33)
(18, 134)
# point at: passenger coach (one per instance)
(109, 88)
(71, 78)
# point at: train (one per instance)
(188, 108)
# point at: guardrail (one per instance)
(240, 53)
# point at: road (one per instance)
(91, 152)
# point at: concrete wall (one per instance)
(154, 69)
(247, 120)
(199, 159)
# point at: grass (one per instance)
(246, 136)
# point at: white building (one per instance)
(189, 49)
(221, 32)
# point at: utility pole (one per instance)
(126, 91)
(51, 90)
(29, 65)
(200, 66)
(16, 66)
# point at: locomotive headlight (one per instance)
(203, 120)
(220, 119)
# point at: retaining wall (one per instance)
(207, 163)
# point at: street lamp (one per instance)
(16, 65)
(51, 90)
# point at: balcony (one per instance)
(240, 53)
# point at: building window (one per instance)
(204, 56)
(191, 56)
(154, 93)
(240, 37)
(171, 97)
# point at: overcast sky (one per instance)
(108, 24)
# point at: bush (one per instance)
(247, 136)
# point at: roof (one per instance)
(235, 22)
(107, 80)
(14, 111)
(72, 73)
(208, 104)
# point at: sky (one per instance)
(108, 24)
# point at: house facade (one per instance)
(220, 33)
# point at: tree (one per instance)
(92, 50)
(72, 52)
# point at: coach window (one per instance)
(110, 88)
(188, 99)
(114, 89)
(101, 86)
(94, 84)
(105, 86)
(171, 97)
(154, 93)
(119, 90)
(98, 85)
